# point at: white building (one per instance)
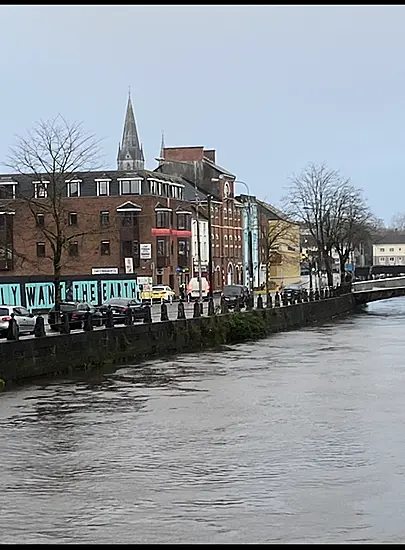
(204, 245)
(390, 250)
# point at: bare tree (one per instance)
(53, 152)
(354, 221)
(398, 222)
(315, 197)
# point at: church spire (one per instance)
(130, 153)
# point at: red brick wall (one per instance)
(184, 153)
(27, 234)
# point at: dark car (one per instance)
(293, 291)
(76, 312)
(233, 293)
(119, 307)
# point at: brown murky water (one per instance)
(298, 438)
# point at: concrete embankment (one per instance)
(51, 356)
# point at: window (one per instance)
(40, 250)
(103, 188)
(105, 248)
(40, 190)
(130, 187)
(40, 220)
(183, 221)
(127, 249)
(129, 219)
(392, 260)
(391, 250)
(7, 190)
(104, 218)
(382, 249)
(162, 219)
(73, 248)
(183, 248)
(382, 260)
(162, 252)
(73, 188)
(72, 218)
(152, 187)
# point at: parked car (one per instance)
(162, 292)
(76, 312)
(193, 288)
(232, 293)
(25, 320)
(293, 291)
(119, 307)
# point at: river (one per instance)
(295, 439)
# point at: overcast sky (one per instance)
(270, 88)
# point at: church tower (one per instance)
(130, 154)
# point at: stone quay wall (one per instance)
(31, 358)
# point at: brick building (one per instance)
(113, 216)
(199, 167)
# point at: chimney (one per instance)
(184, 154)
(210, 154)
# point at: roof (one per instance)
(276, 212)
(206, 160)
(390, 237)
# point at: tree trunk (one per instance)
(342, 261)
(328, 268)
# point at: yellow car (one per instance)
(162, 293)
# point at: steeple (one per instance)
(130, 152)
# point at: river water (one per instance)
(297, 438)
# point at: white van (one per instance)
(193, 288)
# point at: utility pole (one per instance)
(250, 247)
(210, 275)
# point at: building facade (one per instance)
(122, 222)
(199, 167)
(390, 250)
(201, 235)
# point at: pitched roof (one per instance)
(206, 160)
(390, 237)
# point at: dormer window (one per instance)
(103, 187)
(73, 188)
(40, 189)
(7, 189)
(183, 220)
(130, 186)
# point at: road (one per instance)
(171, 310)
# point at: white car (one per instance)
(25, 319)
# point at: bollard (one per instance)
(322, 294)
(211, 307)
(128, 321)
(284, 299)
(326, 293)
(88, 321)
(39, 329)
(197, 309)
(181, 314)
(224, 305)
(269, 300)
(311, 296)
(109, 317)
(148, 314)
(316, 295)
(65, 325)
(237, 305)
(305, 295)
(277, 300)
(259, 302)
(13, 332)
(299, 298)
(202, 308)
(248, 303)
(163, 312)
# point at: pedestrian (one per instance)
(182, 291)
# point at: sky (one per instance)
(271, 88)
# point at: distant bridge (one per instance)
(378, 289)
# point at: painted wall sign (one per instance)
(42, 295)
(10, 295)
(119, 289)
(82, 291)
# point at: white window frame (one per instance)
(13, 183)
(103, 180)
(68, 182)
(121, 180)
(42, 183)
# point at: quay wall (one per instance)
(31, 358)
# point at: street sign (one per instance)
(145, 251)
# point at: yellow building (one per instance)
(284, 253)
